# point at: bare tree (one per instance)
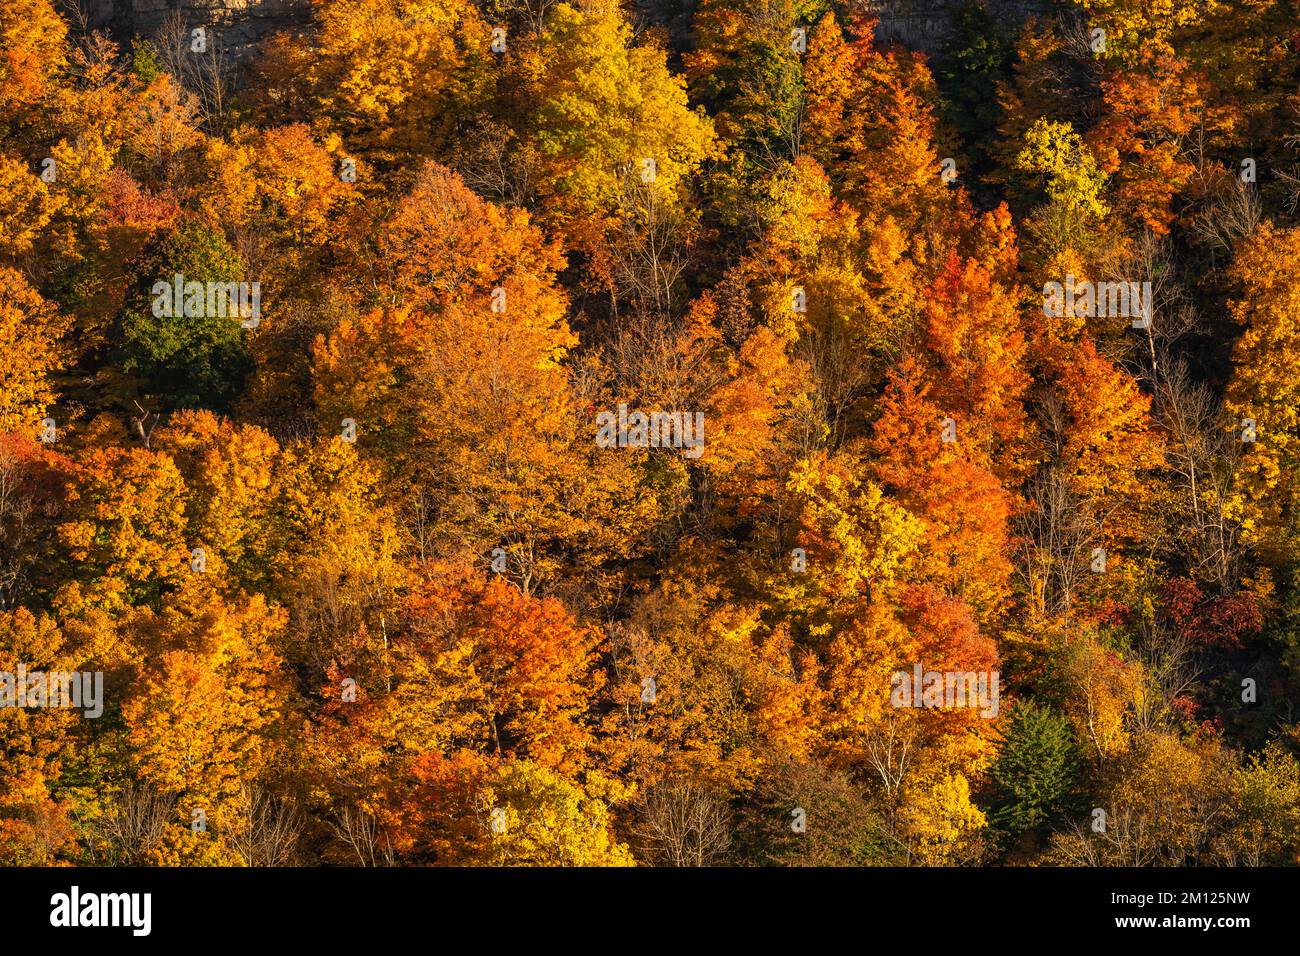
(360, 832)
(842, 372)
(143, 427)
(1225, 220)
(1173, 314)
(17, 528)
(1128, 839)
(647, 254)
(1291, 176)
(531, 12)
(682, 824)
(890, 749)
(267, 828)
(77, 13)
(1057, 535)
(206, 72)
(1202, 454)
(496, 165)
(1171, 671)
(660, 363)
(135, 822)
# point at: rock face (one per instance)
(237, 24)
(918, 24)
(925, 24)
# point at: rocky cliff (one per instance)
(238, 23)
(919, 24)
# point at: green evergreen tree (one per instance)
(185, 361)
(1036, 771)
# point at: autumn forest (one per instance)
(536, 433)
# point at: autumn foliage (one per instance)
(606, 414)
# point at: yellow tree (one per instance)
(463, 811)
(604, 114)
(855, 543)
(469, 396)
(828, 81)
(835, 293)
(334, 559)
(516, 672)
(124, 530)
(32, 53)
(198, 720)
(201, 718)
(97, 116)
(698, 688)
(543, 819)
(26, 207)
(165, 125)
(30, 333)
(34, 741)
(918, 763)
(1055, 157)
(1263, 390)
(444, 245)
(278, 181)
(1134, 29)
(393, 75)
(229, 471)
(875, 132)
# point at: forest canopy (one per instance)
(580, 433)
